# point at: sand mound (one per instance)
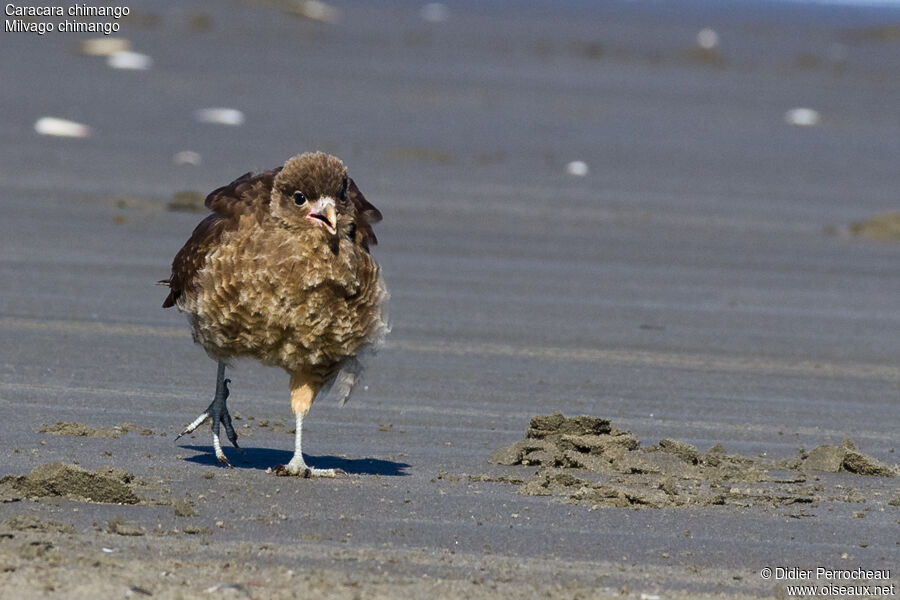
(671, 473)
(106, 485)
(82, 430)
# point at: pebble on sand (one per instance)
(61, 127)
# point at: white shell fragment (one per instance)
(229, 588)
(187, 157)
(220, 116)
(61, 127)
(707, 38)
(803, 117)
(578, 168)
(127, 59)
(434, 12)
(314, 10)
(104, 46)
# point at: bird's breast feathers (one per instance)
(267, 293)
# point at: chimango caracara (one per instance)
(281, 272)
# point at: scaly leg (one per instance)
(303, 391)
(218, 411)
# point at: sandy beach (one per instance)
(650, 215)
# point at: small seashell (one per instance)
(127, 59)
(313, 10)
(707, 38)
(61, 127)
(803, 117)
(578, 168)
(220, 116)
(187, 157)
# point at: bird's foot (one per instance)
(218, 412)
(283, 471)
(301, 469)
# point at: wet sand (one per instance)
(586, 213)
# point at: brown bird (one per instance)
(281, 272)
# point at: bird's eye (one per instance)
(299, 198)
(344, 186)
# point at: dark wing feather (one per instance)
(366, 214)
(247, 195)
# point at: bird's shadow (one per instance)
(263, 458)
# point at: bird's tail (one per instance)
(343, 383)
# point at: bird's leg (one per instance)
(303, 391)
(218, 412)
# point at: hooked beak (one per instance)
(322, 212)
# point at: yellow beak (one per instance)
(330, 215)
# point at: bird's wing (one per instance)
(366, 214)
(247, 195)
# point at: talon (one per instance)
(232, 435)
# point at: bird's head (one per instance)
(310, 193)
